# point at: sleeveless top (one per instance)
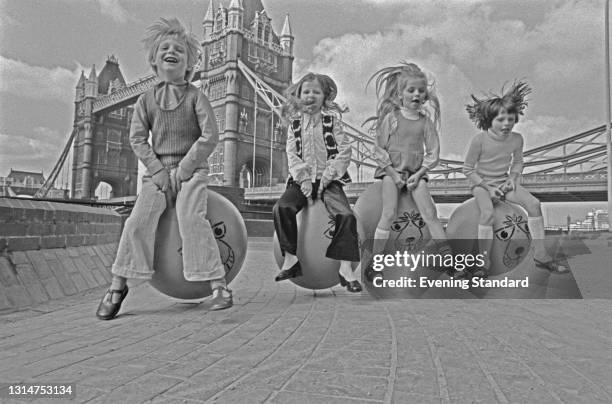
(405, 146)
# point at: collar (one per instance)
(314, 120)
(499, 138)
(404, 110)
(169, 95)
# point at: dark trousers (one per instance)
(344, 244)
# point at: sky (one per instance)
(467, 47)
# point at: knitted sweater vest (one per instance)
(173, 131)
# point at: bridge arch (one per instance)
(104, 190)
(261, 178)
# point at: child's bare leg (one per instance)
(428, 211)
(485, 226)
(535, 221)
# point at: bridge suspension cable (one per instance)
(44, 189)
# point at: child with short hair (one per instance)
(318, 154)
(183, 134)
(493, 165)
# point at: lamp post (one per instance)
(608, 118)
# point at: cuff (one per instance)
(301, 173)
(154, 167)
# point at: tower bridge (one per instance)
(244, 69)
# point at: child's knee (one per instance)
(429, 214)
(534, 207)
(387, 216)
(486, 216)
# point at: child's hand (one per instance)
(413, 181)
(507, 186)
(495, 193)
(397, 179)
(306, 188)
(180, 175)
(161, 179)
(322, 185)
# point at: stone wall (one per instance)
(49, 250)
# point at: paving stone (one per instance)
(284, 344)
(37, 259)
(291, 397)
(8, 276)
(53, 289)
(336, 384)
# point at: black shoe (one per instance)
(352, 286)
(343, 282)
(551, 265)
(480, 273)
(220, 302)
(370, 274)
(107, 310)
(459, 274)
(293, 272)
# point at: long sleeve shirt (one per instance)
(491, 157)
(182, 126)
(314, 163)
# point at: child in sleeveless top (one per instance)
(407, 146)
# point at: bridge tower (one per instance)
(252, 144)
(101, 149)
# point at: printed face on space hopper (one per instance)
(330, 230)
(515, 239)
(407, 231)
(225, 250)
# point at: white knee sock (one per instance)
(536, 228)
(347, 271)
(380, 240)
(290, 260)
(485, 241)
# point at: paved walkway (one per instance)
(284, 344)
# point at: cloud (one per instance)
(7, 20)
(116, 11)
(20, 79)
(473, 47)
(40, 148)
(544, 128)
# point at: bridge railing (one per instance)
(457, 185)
